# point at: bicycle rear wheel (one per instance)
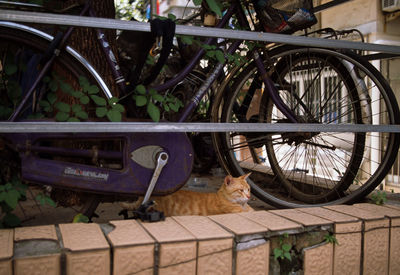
(70, 80)
(23, 50)
(298, 169)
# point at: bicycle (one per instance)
(278, 84)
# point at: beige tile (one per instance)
(95, 262)
(318, 259)
(87, 249)
(381, 210)
(36, 250)
(202, 227)
(348, 227)
(355, 212)
(188, 268)
(216, 263)
(133, 259)
(394, 255)
(168, 231)
(271, 221)
(177, 252)
(6, 250)
(133, 248)
(328, 214)
(253, 261)
(38, 265)
(82, 236)
(376, 247)
(238, 224)
(47, 232)
(301, 217)
(128, 233)
(213, 246)
(347, 255)
(5, 267)
(176, 244)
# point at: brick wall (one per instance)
(368, 242)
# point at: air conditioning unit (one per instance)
(390, 5)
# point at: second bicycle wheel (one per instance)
(319, 86)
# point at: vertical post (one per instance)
(375, 138)
(153, 8)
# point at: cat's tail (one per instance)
(131, 205)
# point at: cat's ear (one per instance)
(245, 176)
(228, 180)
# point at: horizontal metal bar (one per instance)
(148, 127)
(104, 23)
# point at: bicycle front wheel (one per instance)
(319, 86)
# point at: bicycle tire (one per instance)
(23, 43)
(277, 185)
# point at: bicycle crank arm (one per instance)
(162, 160)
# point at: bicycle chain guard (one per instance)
(125, 169)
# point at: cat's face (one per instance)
(236, 190)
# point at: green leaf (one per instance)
(63, 107)
(113, 101)
(80, 218)
(82, 115)
(210, 53)
(140, 100)
(188, 40)
(84, 99)
(61, 116)
(73, 119)
(51, 97)
(158, 97)
(11, 220)
(101, 111)
(174, 107)
(66, 88)
(3, 195)
(119, 108)
(14, 90)
(153, 111)
(141, 89)
(152, 92)
(98, 100)
(287, 256)
(220, 56)
(278, 253)
(171, 16)
(286, 247)
(53, 85)
(197, 2)
(84, 83)
(114, 116)
(76, 108)
(77, 94)
(12, 198)
(92, 89)
(10, 69)
(44, 103)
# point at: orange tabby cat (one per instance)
(232, 197)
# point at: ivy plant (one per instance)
(283, 250)
(153, 101)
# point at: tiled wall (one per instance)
(368, 242)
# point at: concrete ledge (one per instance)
(368, 242)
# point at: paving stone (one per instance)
(87, 250)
